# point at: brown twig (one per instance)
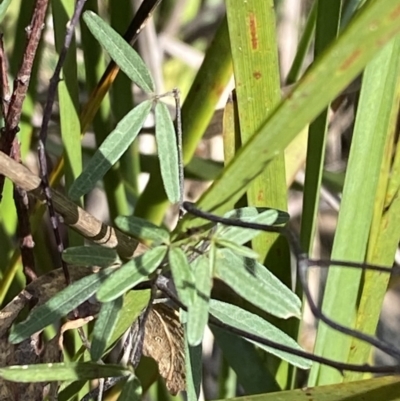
(26, 243)
(21, 82)
(77, 218)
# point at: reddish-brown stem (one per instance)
(24, 232)
(21, 82)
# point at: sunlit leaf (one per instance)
(249, 212)
(198, 311)
(242, 235)
(167, 152)
(61, 372)
(239, 250)
(183, 276)
(141, 228)
(60, 305)
(91, 256)
(253, 324)
(134, 303)
(252, 281)
(120, 51)
(110, 151)
(104, 327)
(131, 273)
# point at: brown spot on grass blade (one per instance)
(253, 31)
(257, 75)
(350, 60)
(395, 13)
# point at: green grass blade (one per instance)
(303, 46)
(111, 150)
(167, 152)
(385, 231)
(61, 372)
(120, 51)
(327, 27)
(355, 217)
(381, 388)
(3, 8)
(252, 32)
(338, 66)
(68, 97)
(104, 327)
(122, 101)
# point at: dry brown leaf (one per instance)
(163, 341)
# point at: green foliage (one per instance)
(217, 274)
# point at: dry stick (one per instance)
(77, 218)
(21, 83)
(51, 95)
(24, 231)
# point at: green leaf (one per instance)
(183, 276)
(109, 152)
(120, 51)
(132, 390)
(242, 235)
(253, 324)
(134, 303)
(141, 228)
(167, 152)
(198, 311)
(239, 250)
(246, 213)
(252, 281)
(193, 364)
(58, 306)
(3, 8)
(104, 327)
(91, 256)
(61, 372)
(131, 273)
